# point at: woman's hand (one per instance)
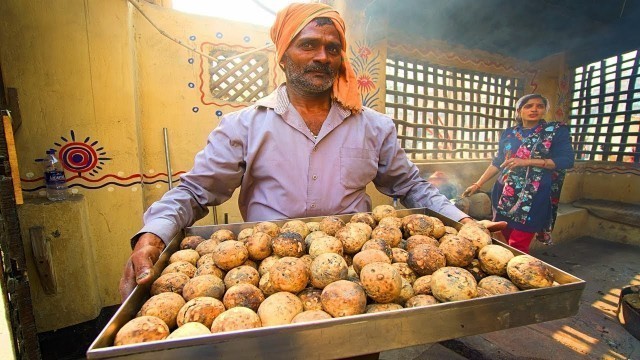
(513, 163)
(471, 190)
(139, 268)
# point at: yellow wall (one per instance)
(100, 69)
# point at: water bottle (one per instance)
(54, 177)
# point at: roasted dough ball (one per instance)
(242, 274)
(188, 255)
(141, 329)
(237, 318)
(210, 268)
(229, 254)
(459, 251)
(191, 242)
(289, 274)
(391, 221)
(201, 309)
(244, 234)
(246, 295)
(288, 244)
(310, 316)
(313, 226)
(425, 259)
(378, 244)
(376, 308)
(438, 227)
(417, 224)
(391, 235)
(327, 268)
(420, 300)
(296, 226)
(188, 330)
(365, 218)
(527, 272)
(308, 240)
(258, 246)
(452, 284)
(478, 234)
(207, 247)
(204, 285)
(266, 264)
(450, 230)
(406, 292)
(416, 240)
(279, 309)
(405, 271)
(164, 306)
(325, 244)
(267, 227)
(223, 235)
(343, 298)
(352, 236)
(422, 285)
(497, 285)
(310, 298)
(181, 267)
(381, 282)
(331, 224)
(266, 286)
(367, 257)
(382, 211)
(169, 282)
(399, 255)
(494, 259)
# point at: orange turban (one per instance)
(290, 21)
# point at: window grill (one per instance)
(605, 110)
(238, 80)
(448, 113)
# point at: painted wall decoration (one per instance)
(83, 160)
(366, 66)
(563, 97)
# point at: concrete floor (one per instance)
(594, 333)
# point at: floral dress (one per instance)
(527, 197)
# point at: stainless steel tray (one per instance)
(347, 336)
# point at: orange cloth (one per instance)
(291, 20)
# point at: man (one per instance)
(308, 149)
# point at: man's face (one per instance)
(312, 61)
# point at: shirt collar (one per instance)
(278, 100)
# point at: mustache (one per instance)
(323, 68)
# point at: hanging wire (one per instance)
(181, 43)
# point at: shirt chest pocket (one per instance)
(358, 167)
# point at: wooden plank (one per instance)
(43, 259)
(13, 159)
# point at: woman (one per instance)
(532, 160)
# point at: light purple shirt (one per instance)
(284, 172)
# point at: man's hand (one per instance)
(492, 226)
(139, 268)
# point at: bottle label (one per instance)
(54, 177)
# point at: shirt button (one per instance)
(315, 177)
(315, 148)
(313, 206)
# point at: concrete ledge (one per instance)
(616, 211)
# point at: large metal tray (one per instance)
(347, 336)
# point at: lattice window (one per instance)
(448, 113)
(242, 79)
(605, 111)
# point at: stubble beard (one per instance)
(296, 77)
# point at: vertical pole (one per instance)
(167, 158)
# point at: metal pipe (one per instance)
(167, 159)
